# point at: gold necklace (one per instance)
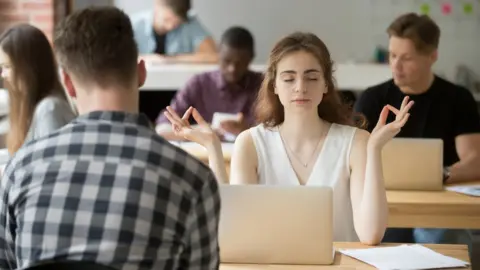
(305, 165)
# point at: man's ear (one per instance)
(142, 73)
(68, 84)
(434, 56)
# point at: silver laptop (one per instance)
(413, 164)
(276, 225)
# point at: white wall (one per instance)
(132, 6)
(79, 4)
(350, 28)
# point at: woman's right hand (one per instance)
(202, 134)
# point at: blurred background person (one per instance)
(173, 33)
(37, 101)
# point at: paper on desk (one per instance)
(403, 257)
(472, 190)
(219, 117)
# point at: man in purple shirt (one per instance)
(231, 89)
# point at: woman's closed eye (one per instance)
(289, 80)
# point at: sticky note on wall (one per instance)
(468, 8)
(446, 8)
(425, 9)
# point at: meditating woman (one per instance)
(306, 136)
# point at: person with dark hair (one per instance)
(231, 89)
(307, 137)
(38, 104)
(442, 109)
(172, 33)
(106, 188)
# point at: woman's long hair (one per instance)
(34, 76)
(269, 110)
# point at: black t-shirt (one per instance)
(159, 42)
(445, 111)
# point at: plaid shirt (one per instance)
(106, 188)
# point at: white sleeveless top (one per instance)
(332, 168)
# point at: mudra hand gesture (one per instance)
(382, 133)
(201, 134)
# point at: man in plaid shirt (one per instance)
(105, 188)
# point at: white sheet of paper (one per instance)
(472, 190)
(219, 117)
(404, 257)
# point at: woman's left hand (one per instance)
(382, 133)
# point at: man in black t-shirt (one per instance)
(441, 110)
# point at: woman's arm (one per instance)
(367, 190)
(205, 48)
(205, 53)
(216, 161)
(244, 163)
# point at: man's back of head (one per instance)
(96, 49)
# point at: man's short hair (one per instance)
(420, 29)
(179, 7)
(96, 45)
(239, 38)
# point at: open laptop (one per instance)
(413, 164)
(276, 225)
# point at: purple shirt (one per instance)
(209, 93)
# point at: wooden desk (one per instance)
(434, 209)
(414, 209)
(344, 262)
